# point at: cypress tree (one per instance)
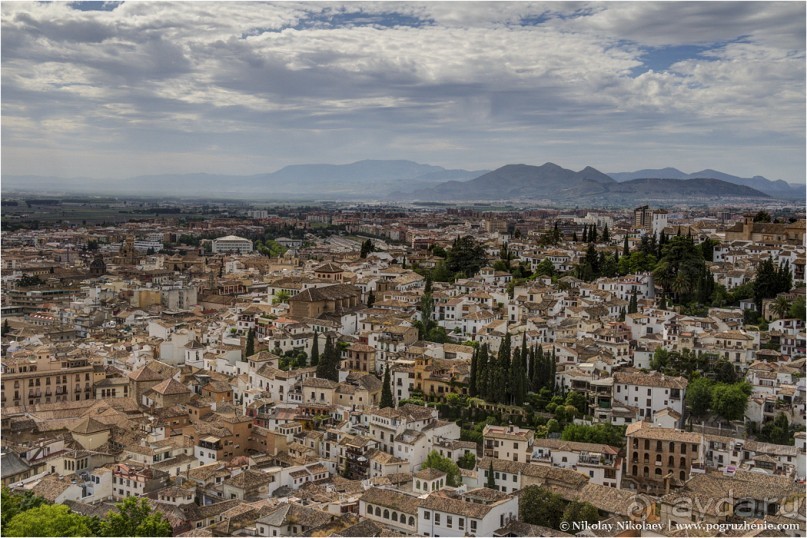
(593, 234)
(552, 371)
(606, 236)
(370, 298)
(502, 384)
(585, 233)
(491, 483)
(633, 304)
(328, 366)
(386, 391)
(249, 349)
(472, 377)
(543, 368)
(482, 374)
(315, 350)
(574, 236)
(513, 375)
(625, 249)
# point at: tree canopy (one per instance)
(134, 517)
(51, 520)
(435, 461)
(466, 255)
(538, 506)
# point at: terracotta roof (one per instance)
(89, 425)
(145, 374)
(170, 386)
(654, 379)
(396, 500)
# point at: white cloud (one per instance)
(458, 84)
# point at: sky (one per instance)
(120, 89)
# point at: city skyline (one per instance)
(114, 90)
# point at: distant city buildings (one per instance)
(232, 244)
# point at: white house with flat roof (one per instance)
(232, 244)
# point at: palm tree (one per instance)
(780, 307)
(681, 286)
(281, 297)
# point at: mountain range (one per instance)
(775, 188)
(408, 180)
(589, 186)
(362, 179)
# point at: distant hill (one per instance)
(521, 181)
(776, 189)
(408, 180)
(362, 179)
(588, 186)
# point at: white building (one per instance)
(649, 392)
(601, 463)
(232, 244)
(478, 512)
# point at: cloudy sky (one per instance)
(121, 89)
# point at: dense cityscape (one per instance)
(382, 269)
(380, 370)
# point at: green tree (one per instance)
(762, 216)
(777, 431)
(370, 298)
(482, 376)
(724, 371)
(729, 401)
(780, 307)
(328, 364)
(491, 482)
(134, 517)
(578, 512)
(5, 329)
(577, 400)
(386, 391)
(281, 296)
(249, 348)
(49, 520)
(606, 236)
(466, 255)
(602, 433)
(680, 267)
(366, 248)
(435, 461)
(633, 304)
(538, 506)
(699, 397)
(14, 503)
(473, 374)
(27, 281)
(625, 247)
(770, 281)
(545, 268)
(315, 350)
(467, 461)
(797, 309)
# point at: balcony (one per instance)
(697, 468)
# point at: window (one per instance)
(437, 518)
(427, 515)
(473, 525)
(461, 523)
(449, 521)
